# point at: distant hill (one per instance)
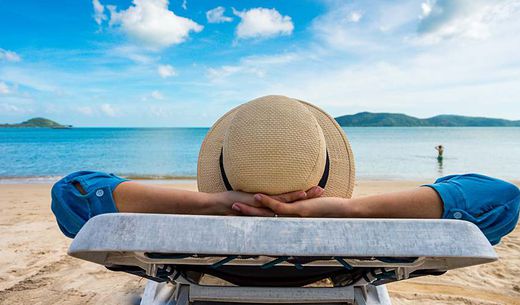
(36, 123)
(369, 119)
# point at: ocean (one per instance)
(40, 155)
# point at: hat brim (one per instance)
(340, 182)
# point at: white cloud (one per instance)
(133, 53)
(426, 8)
(99, 12)
(392, 74)
(217, 74)
(157, 95)
(381, 29)
(9, 55)
(184, 4)
(166, 71)
(465, 19)
(32, 77)
(337, 29)
(9, 108)
(154, 95)
(216, 15)
(4, 89)
(262, 23)
(417, 84)
(355, 16)
(251, 65)
(108, 110)
(151, 23)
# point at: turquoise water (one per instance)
(380, 153)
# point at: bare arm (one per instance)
(422, 202)
(142, 198)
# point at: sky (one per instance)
(160, 63)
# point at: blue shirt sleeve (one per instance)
(491, 204)
(73, 209)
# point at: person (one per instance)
(277, 156)
(440, 151)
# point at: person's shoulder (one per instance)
(505, 188)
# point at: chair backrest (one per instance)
(257, 251)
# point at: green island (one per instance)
(37, 123)
(370, 119)
(362, 119)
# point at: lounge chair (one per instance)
(273, 260)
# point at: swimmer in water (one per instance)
(440, 150)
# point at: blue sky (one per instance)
(185, 63)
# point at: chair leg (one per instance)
(183, 297)
(158, 293)
(149, 293)
(371, 295)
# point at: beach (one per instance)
(35, 269)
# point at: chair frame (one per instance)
(381, 250)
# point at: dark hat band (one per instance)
(322, 183)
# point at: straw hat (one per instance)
(274, 145)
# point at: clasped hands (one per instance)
(308, 203)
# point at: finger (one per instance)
(245, 198)
(290, 197)
(252, 203)
(315, 191)
(276, 206)
(248, 210)
(311, 193)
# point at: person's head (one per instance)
(274, 145)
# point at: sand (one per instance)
(35, 269)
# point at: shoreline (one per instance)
(189, 179)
